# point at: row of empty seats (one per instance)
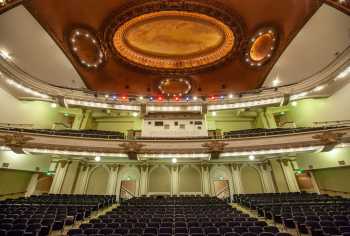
(318, 215)
(40, 215)
(179, 216)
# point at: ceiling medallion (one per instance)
(261, 47)
(175, 87)
(86, 48)
(174, 36)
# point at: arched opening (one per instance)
(98, 181)
(251, 181)
(128, 182)
(159, 180)
(190, 180)
(221, 183)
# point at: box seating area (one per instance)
(318, 215)
(40, 215)
(179, 216)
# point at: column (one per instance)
(85, 119)
(78, 119)
(144, 180)
(289, 175)
(205, 179)
(58, 179)
(314, 182)
(70, 178)
(82, 179)
(236, 178)
(112, 179)
(32, 184)
(174, 180)
(266, 176)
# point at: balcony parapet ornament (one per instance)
(215, 148)
(329, 139)
(16, 142)
(132, 148)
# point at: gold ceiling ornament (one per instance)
(173, 40)
(174, 37)
(261, 47)
(329, 138)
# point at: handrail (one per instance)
(9, 125)
(222, 191)
(227, 135)
(127, 191)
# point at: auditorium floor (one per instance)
(77, 224)
(102, 212)
(253, 213)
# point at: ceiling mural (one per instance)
(216, 46)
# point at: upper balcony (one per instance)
(234, 146)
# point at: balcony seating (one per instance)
(178, 216)
(40, 215)
(317, 215)
(276, 131)
(74, 133)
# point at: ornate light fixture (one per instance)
(86, 47)
(175, 87)
(261, 47)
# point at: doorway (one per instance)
(127, 189)
(222, 189)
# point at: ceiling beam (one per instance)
(341, 5)
(6, 5)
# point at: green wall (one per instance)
(38, 114)
(327, 109)
(14, 181)
(334, 179)
(231, 120)
(324, 160)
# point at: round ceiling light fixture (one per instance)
(261, 47)
(175, 87)
(86, 48)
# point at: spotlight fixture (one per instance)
(5, 54)
(276, 82)
(319, 88)
(97, 158)
(53, 105)
(252, 157)
(294, 104)
(135, 114)
(174, 160)
(213, 113)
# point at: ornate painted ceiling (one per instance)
(204, 47)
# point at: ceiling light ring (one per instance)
(256, 54)
(95, 44)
